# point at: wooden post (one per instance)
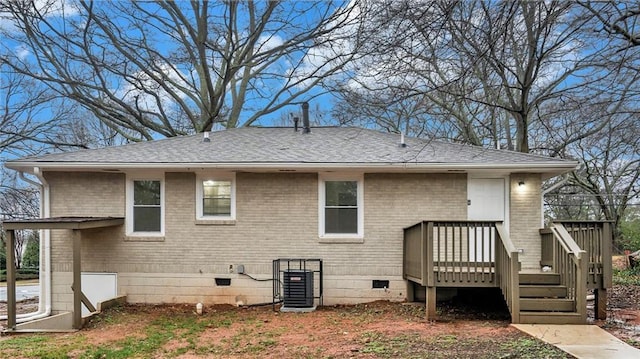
(607, 266)
(514, 275)
(411, 292)
(581, 284)
(11, 280)
(428, 253)
(77, 286)
(600, 303)
(430, 305)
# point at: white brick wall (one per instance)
(525, 218)
(277, 217)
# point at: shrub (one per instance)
(22, 274)
(630, 231)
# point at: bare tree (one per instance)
(170, 68)
(489, 69)
(17, 203)
(25, 114)
(618, 18)
(524, 54)
(609, 175)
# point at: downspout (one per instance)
(44, 302)
(555, 186)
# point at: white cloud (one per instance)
(133, 94)
(268, 42)
(57, 7)
(332, 50)
(48, 8)
(22, 52)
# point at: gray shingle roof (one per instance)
(324, 146)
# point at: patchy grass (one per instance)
(40, 346)
(627, 276)
(453, 346)
(375, 330)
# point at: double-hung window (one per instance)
(215, 197)
(341, 209)
(145, 206)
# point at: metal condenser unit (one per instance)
(298, 288)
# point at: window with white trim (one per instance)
(215, 197)
(341, 206)
(145, 206)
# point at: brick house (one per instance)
(206, 218)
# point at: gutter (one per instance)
(120, 167)
(44, 301)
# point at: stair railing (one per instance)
(595, 237)
(507, 272)
(570, 261)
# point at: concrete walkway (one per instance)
(581, 341)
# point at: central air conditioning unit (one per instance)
(298, 288)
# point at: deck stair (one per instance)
(543, 300)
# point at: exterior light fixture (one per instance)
(521, 183)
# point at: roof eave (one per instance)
(551, 168)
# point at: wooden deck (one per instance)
(457, 254)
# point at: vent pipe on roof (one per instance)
(305, 117)
(295, 124)
(205, 137)
(402, 143)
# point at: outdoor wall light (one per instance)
(521, 183)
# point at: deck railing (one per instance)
(455, 253)
(508, 272)
(463, 254)
(415, 250)
(450, 253)
(570, 261)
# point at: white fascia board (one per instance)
(533, 167)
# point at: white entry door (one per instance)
(486, 200)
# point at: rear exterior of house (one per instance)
(197, 211)
(276, 216)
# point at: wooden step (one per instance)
(543, 291)
(551, 318)
(546, 304)
(539, 278)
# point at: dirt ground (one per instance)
(623, 309)
(351, 331)
(374, 330)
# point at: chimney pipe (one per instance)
(305, 117)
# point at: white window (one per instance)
(341, 206)
(216, 197)
(145, 206)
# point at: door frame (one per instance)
(506, 185)
(507, 193)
